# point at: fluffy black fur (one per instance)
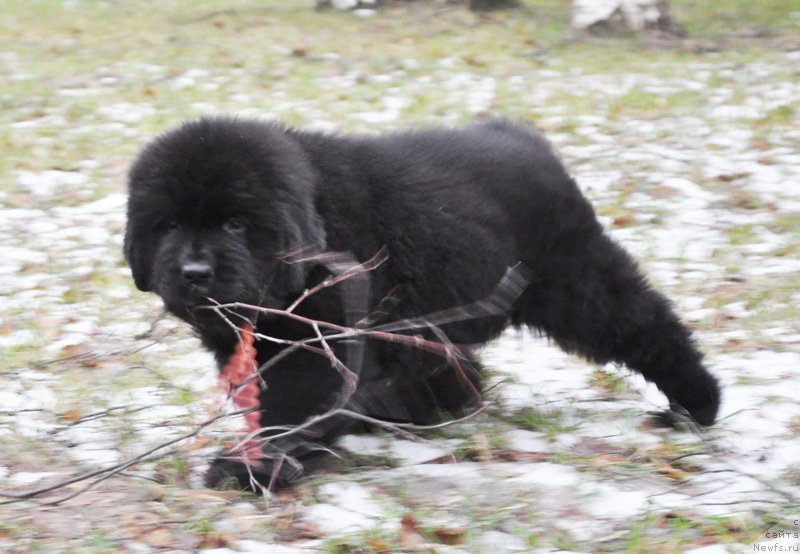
(216, 204)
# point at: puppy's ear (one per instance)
(304, 237)
(139, 262)
(311, 231)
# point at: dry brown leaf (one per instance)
(663, 191)
(199, 442)
(49, 328)
(207, 495)
(72, 414)
(160, 537)
(286, 495)
(90, 362)
(672, 473)
(625, 219)
(605, 460)
(728, 177)
(136, 523)
(518, 456)
(300, 51)
(451, 536)
(74, 350)
(482, 448)
(213, 539)
(378, 545)
(409, 535)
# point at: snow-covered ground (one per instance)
(709, 202)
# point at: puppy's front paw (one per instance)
(266, 474)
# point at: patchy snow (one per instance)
(370, 445)
(66, 295)
(29, 477)
(546, 475)
(355, 497)
(338, 519)
(499, 543)
(527, 441)
(410, 452)
(712, 549)
(556, 372)
(258, 547)
(47, 183)
(610, 502)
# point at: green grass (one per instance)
(62, 70)
(612, 383)
(737, 16)
(548, 421)
(742, 234)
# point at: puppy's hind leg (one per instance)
(591, 299)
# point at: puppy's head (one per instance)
(214, 207)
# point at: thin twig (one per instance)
(97, 415)
(498, 302)
(109, 471)
(349, 272)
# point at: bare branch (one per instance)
(109, 471)
(323, 333)
(343, 267)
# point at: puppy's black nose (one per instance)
(197, 273)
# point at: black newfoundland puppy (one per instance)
(226, 211)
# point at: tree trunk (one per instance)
(621, 16)
(489, 5)
(348, 4)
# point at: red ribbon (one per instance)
(242, 365)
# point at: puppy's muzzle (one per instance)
(199, 274)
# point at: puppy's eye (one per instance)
(234, 225)
(168, 225)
